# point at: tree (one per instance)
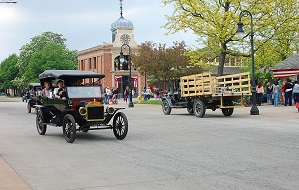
(162, 63)
(214, 21)
(8, 71)
(52, 56)
(34, 55)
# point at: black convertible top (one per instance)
(66, 74)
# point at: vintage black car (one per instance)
(81, 109)
(31, 96)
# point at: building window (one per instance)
(94, 62)
(82, 64)
(89, 63)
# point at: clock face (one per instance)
(125, 39)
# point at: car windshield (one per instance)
(84, 92)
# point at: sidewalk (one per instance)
(10, 179)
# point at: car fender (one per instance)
(168, 99)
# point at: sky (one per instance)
(83, 23)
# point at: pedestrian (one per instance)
(260, 91)
(288, 90)
(126, 94)
(282, 97)
(269, 93)
(144, 93)
(108, 95)
(296, 92)
(275, 90)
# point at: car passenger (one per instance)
(60, 92)
(47, 91)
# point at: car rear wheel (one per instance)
(120, 125)
(41, 128)
(69, 128)
(28, 107)
(165, 107)
(199, 108)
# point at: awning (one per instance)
(285, 73)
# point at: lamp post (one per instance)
(122, 60)
(240, 34)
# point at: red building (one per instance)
(105, 58)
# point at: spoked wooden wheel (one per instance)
(120, 125)
(41, 128)
(69, 128)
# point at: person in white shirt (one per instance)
(47, 91)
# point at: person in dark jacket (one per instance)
(288, 90)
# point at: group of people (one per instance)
(110, 95)
(58, 92)
(284, 93)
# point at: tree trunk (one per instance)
(221, 63)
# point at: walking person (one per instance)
(260, 91)
(108, 95)
(269, 93)
(288, 90)
(276, 89)
(126, 94)
(296, 92)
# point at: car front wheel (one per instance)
(41, 128)
(69, 128)
(120, 125)
(166, 107)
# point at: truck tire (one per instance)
(199, 108)
(227, 111)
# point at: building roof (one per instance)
(289, 63)
(227, 70)
(122, 23)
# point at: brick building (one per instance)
(105, 58)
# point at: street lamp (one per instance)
(122, 60)
(240, 34)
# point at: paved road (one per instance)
(178, 151)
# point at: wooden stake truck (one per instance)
(204, 91)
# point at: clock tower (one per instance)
(122, 31)
(106, 59)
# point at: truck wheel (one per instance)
(227, 111)
(166, 108)
(69, 128)
(199, 108)
(120, 125)
(190, 110)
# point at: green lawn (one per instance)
(156, 102)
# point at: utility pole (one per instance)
(8, 2)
